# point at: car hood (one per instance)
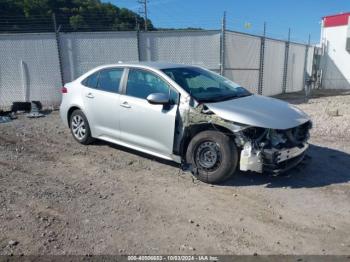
(259, 111)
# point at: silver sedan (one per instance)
(187, 114)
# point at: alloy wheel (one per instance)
(78, 127)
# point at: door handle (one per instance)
(90, 95)
(125, 104)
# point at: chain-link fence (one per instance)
(29, 69)
(33, 66)
(242, 59)
(188, 47)
(295, 68)
(273, 67)
(81, 51)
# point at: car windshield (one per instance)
(205, 86)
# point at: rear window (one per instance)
(105, 80)
(109, 80)
(91, 81)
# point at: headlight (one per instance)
(254, 133)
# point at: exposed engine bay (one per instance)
(269, 149)
(261, 149)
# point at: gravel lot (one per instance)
(59, 197)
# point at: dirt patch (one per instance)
(59, 197)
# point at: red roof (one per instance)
(336, 20)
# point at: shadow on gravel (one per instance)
(135, 152)
(327, 167)
(297, 98)
(46, 111)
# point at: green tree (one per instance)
(89, 15)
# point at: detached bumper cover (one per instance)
(279, 161)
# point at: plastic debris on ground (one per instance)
(34, 112)
(5, 119)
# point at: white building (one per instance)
(335, 40)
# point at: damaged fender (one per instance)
(257, 144)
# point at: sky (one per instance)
(303, 17)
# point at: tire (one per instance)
(201, 153)
(80, 128)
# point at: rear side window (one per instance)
(91, 81)
(109, 80)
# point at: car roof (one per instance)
(154, 65)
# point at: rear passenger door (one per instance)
(143, 125)
(101, 97)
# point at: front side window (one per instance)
(205, 86)
(142, 83)
(109, 80)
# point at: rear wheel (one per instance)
(213, 155)
(80, 128)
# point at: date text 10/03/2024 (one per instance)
(173, 258)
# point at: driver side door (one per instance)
(144, 126)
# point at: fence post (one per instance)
(25, 85)
(307, 82)
(138, 42)
(285, 67)
(222, 45)
(57, 36)
(262, 61)
(306, 62)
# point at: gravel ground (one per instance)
(59, 197)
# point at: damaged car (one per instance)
(186, 114)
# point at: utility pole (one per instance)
(58, 44)
(285, 69)
(262, 61)
(144, 11)
(222, 45)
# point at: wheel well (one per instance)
(193, 130)
(70, 111)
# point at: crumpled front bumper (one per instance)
(272, 160)
(279, 161)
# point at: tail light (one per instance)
(64, 90)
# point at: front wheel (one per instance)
(213, 155)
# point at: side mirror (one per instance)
(158, 99)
